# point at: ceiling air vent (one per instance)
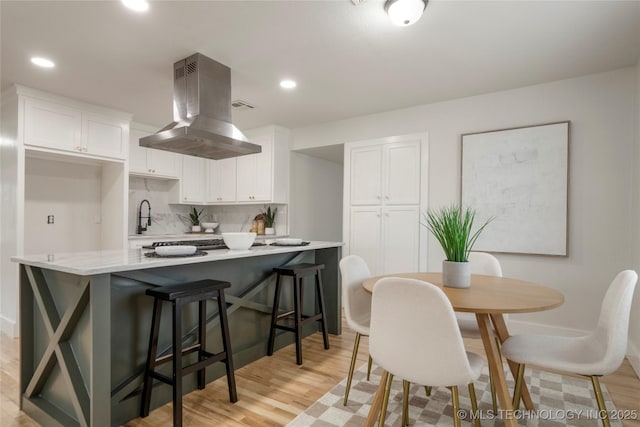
(241, 105)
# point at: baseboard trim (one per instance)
(633, 355)
(8, 327)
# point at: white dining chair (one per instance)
(488, 265)
(414, 336)
(357, 307)
(598, 353)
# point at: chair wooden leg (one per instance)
(517, 390)
(474, 405)
(369, 368)
(600, 399)
(456, 405)
(405, 402)
(494, 400)
(427, 390)
(385, 401)
(354, 354)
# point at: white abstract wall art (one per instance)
(519, 176)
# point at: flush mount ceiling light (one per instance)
(405, 12)
(137, 5)
(288, 84)
(42, 62)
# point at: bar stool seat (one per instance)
(180, 295)
(298, 272)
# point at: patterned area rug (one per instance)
(559, 400)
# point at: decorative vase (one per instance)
(196, 228)
(456, 274)
(269, 230)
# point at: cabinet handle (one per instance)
(154, 171)
(378, 197)
(149, 170)
(386, 197)
(85, 149)
(386, 214)
(185, 198)
(78, 148)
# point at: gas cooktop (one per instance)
(200, 244)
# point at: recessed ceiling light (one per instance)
(42, 62)
(137, 5)
(288, 84)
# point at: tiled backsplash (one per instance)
(173, 219)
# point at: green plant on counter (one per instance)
(194, 216)
(269, 216)
(452, 227)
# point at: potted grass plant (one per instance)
(194, 219)
(452, 227)
(269, 219)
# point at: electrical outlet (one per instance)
(50, 219)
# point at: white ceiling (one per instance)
(348, 60)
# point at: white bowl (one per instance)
(238, 241)
(209, 226)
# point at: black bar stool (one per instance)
(180, 295)
(298, 272)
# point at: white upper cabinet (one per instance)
(401, 173)
(192, 184)
(385, 174)
(51, 125)
(221, 181)
(264, 177)
(254, 178)
(151, 162)
(366, 175)
(57, 126)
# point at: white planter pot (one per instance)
(456, 274)
(269, 230)
(196, 228)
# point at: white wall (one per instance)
(634, 329)
(316, 198)
(72, 193)
(601, 108)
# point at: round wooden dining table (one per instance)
(489, 298)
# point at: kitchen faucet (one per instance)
(148, 217)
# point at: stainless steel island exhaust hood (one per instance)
(201, 113)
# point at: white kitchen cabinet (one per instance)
(51, 125)
(149, 162)
(387, 238)
(264, 177)
(54, 125)
(192, 183)
(384, 194)
(254, 178)
(387, 174)
(221, 181)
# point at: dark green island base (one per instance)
(85, 330)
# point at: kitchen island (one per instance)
(85, 320)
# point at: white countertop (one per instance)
(111, 261)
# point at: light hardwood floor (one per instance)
(272, 390)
